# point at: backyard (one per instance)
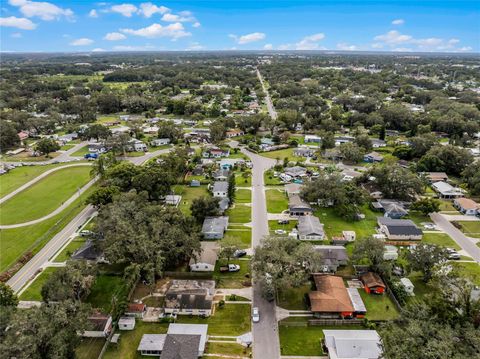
(277, 200)
(106, 288)
(379, 307)
(188, 194)
(89, 348)
(233, 279)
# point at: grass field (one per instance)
(232, 319)
(270, 180)
(241, 236)
(232, 279)
(273, 225)
(188, 194)
(440, 239)
(15, 242)
(281, 154)
(89, 348)
(240, 213)
(243, 196)
(105, 288)
(277, 200)
(470, 270)
(44, 196)
(294, 298)
(470, 228)
(226, 349)
(34, 291)
(241, 181)
(69, 249)
(379, 307)
(81, 152)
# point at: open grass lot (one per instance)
(226, 349)
(296, 338)
(233, 279)
(277, 200)
(15, 242)
(335, 224)
(470, 228)
(232, 319)
(281, 154)
(241, 181)
(273, 225)
(270, 180)
(446, 205)
(25, 157)
(243, 196)
(44, 196)
(89, 348)
(470, 270)
(440, 239)
(105, 288)
(188, 194)
(69, 249)
(34, 290)
(418, 218)
(81, 152)
(294, 298)
(129, 340)
(379, 307)
(241, 236)
(240, 213)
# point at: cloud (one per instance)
(196, 24)
(84, 41)
(18, 22)
(133, 48)
(44, 10)
(268, 47)
(126, 10)
(346, 47)
(248, 38)
(114, 36)
(98, 49)
(16, 35)
(195, 46)
(397, 41)
(393, 37)
(148, 9)
(310, 42)
(173, 31)
(184, 16)
(398, 22)
(93, 13)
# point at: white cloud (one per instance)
(173, 31)
(248, 38)
(196, 24)
(16, 35)
(133, 48)
(346, 47)
(184, 16)
(93, 13)
(465, 49)
(310, 42)
(44, 10)
(393, 37)
(398, 22)
(114, 36)
(84, 41)
(18, 22)
(126, 10)
(148, 9)
(98, 49)
(397, 41)
(377, 45)
(285, 47)
(268, 47)
(195, 46)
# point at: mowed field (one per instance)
(44, 196)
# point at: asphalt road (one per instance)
(265, 333)
(462, 240)
(268, 100)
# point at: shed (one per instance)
(373, 283)
(408, 286)
(126, 323)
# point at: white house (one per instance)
(310, 229)
(220, 189)
(467, 206)
(312, 138)
(138, 146)
(352, 344)
(160, 142)
(390, 253)
(446, 190)
(206, 259)
(126, 323)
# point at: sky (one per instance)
(85, 25)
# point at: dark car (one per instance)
(283, 221)
(239, 253)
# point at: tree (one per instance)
(121, 175)
(231, 187)
(328, 140)
(218, 131)
(96, 131)
(8, 136)
(351, 152)
(228, 247)
(102, 196)
(369, 251)
(425, 257)
(154, 180)
(426, 205)
(8, 298)
(396, 182)
(168, 129)
(46, 146)
(103, 162)
(72, 282)
(364, 141)
(471, 176)
(451, 159)
(203, 207)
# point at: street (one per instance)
(268, 100)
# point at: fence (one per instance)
(335, 322)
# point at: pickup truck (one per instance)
(230, 268)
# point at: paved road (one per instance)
(467, 244)
(268, 100)
(31, 267)
(265, 333)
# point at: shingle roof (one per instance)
(180, 346)
(152, 342)
(215, 224)
(220, 186)
(308, 225)
(399, 226)
(467, 203)
(371, 279)
(330, 296)
(332, 253)
(295, 202)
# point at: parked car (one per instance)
(230, 268)
(429, 226)
(454, 256)
(255, 315)
(85, 233)
(91, 156)
(239, 253)
(283, 221)
(280, 231)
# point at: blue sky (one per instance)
(83, 25)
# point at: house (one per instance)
(310, 229)
(376, 143)
(373, 157)
(88, 252)
(408, 286)
(96, 148)
(349, 175)
(446, 190)
(190, 297)
(312, 138)
(399, 229)
(373, 283)
(220, 189)
(185, 341)
(433, 177)
(292, 189)
(349, 236)
(101, 326)
(138, 146)
(390, 253)
(136, 310)
(234, 133)
(332, 257)
(221, 175)
(126, 323)
(352, 344)
(303, 152)
(152, 344)
(206, 259)
(298, 207)
(467, 206)
(23, 135)
(390, 208)
(198, 170)
(223, 204)
(173, 199)
(331, 298)
(295, 171)
(343, 139)
(68, 137)
(214, 227)
(150, 130)
(228, 163)
(160, 142)
(215, 152)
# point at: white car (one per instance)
(255, 315)
(280, 231)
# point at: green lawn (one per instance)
(81, 152)
(440, 239)
(277, 200)
(470, 228)
(241, 181)
(226, 349)
(418, 217)
(129, 340)
(242, 236)
(188, 194)
(421, 288)
(69, 249)
(281, 154)
(104, 289)
(446, 205)
(89, 348)
(470, 270)
(44, 196)
(270, 180)
(15, 242)
(34, 290)
(232, 319)
(379, 307)
(294, 298)
(243, 196)
(240, 213)
(273, 225)
(233, 279)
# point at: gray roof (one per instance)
(223, 204)
(296, 203)
(375, 156)
(295, 171)
(357, 301)
(399, 226)
(392, 206)
(188, 301)
(180, 346)
(152, 342)
(208, 253)
(221, 173)
(215, 224)
(351, 344)
(87, 252)
(309, 225)
(293, 188)
(446, 188)
(332, 253)
(191, 329)
(220, 186)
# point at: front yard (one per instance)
(243, 196)
(469, 270)
(277, 200)
(66, 253)
(242, 237)
(440, 239)
(294, 298)
(34, 291)
(470, 228)
(239, 279)
(239, 213)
